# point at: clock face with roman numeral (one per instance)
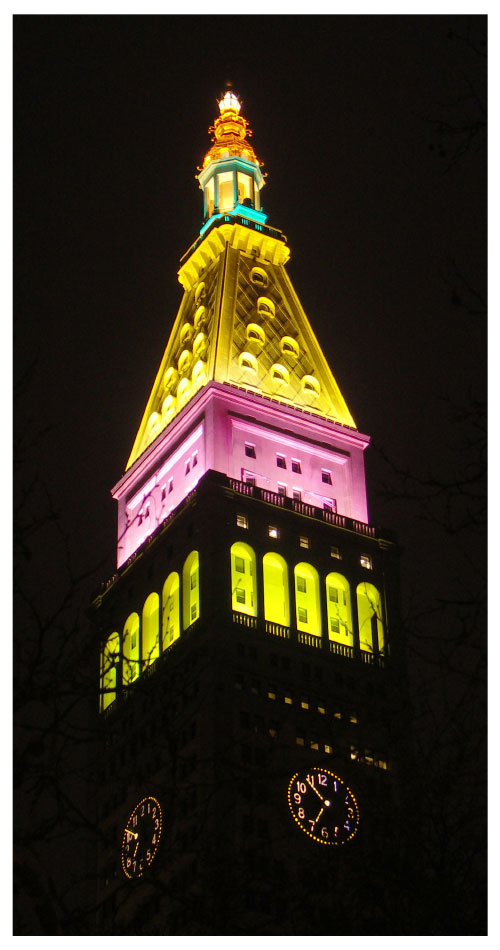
(141, 837)
(323, 806)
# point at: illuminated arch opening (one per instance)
(169, 408)
(200, 345)
(150, 630)
(243, 579)
(289, 347)
(265, 307)
(371, 627)
(184, 362)
(199, 374)
(186, 333)
(200, 293)
(276, 591)
(310, 387)
(248, 362)
(338, 602)
(110, 658)
(307, 603)
(154, 424)
(259, 277)
(200, 317)
(190, 590)
(171, 627)
(183, 392)
(255, 334)
(170, 379)
(131, 649)
(279, 374)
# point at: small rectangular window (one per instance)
(271, 693)
(333, 594)
(366, 561)
(334, 625)
(301, 584)
(242, 521)
(302, 614)
(194, 579)
(273, 532)
(328, 749)
(304, 704)
(335, 551)
(321, 709)
(247, 477)
(250, 451)
(239, 565)
(300, 740)
(326, 477)
(188, 467)
(304, 542)
(353, 717)
(163, 492)
(281, 461)
(296, 494)
(296, 467)
(282, 490)
(194, 610)
(240, 595)
(195, 459)
(314, 744)
(288, 699)
(170, 485)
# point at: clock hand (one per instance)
(318, 816)
(315, 790)
(133, 833)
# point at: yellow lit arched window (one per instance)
(243, 579)
(371, 627)
(338, 602)
(150, 630)
(190, 590)
(131, 649)
(170, 610)
(110, 658)
(307, 604)
(276, 593)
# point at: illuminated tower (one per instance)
(251, 668)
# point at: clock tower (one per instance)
(252, 684)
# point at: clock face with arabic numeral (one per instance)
(141, 837)
(323, 806)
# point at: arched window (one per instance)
(190, 590)
(276, 595)
(110, 658)
(243, 579)
(338, 602)
(171, 627)
(131, 649)
(150, 630)
(307, 605)
(371, 627)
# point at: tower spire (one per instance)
(231, 174)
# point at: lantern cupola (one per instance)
(231, 177)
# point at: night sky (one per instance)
(387, 234)
(384, 215)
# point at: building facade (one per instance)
(253, 706)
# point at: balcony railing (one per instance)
(302, 507)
